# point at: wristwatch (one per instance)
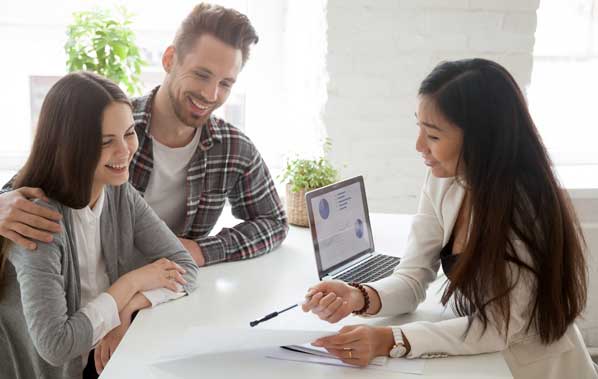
(399, 349)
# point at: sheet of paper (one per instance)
(307, 348)
(410, 366)
(210, 340)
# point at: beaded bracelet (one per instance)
(366, 298)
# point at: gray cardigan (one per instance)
(42, 332)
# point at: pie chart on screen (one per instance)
(324, 208)
(359, 228)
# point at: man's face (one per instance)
(201, 81)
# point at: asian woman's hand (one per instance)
(333, 300)
(358, 344)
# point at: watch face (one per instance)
(398, 351)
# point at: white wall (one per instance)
(378, 53)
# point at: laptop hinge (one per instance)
(349, 265)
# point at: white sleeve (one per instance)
(405, 288)
(448, 337)
(162, 295)
(102, 312)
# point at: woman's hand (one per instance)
(358, 344)
(109, 343)
(333, 300)
(162, 273)
(159, 274)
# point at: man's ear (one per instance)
(168, 58)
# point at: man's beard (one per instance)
(178, 107)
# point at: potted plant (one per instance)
(102, 41)
(301, 176)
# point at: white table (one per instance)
(233, 294)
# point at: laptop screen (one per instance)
(340, 224)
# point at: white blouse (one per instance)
(401, 292)
(99, 306)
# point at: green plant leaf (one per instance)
(308, 173)
(101, 40)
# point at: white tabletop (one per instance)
(233, 294)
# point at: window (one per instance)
(564, 84)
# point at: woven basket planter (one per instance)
(296, 207)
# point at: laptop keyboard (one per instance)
(378, 267)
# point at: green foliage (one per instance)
(102, 41)
(308, 173)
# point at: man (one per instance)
(188, 162)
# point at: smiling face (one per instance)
(200, 81)
(119, 143)
(439, 141)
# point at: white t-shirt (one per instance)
(166, 191)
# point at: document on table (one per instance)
(210, 340)
(317, 356)
(253, 344)
(307, 349)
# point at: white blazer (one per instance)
(401, 293)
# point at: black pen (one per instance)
(273, 314)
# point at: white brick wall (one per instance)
(378, 53)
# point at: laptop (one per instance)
(341, 232)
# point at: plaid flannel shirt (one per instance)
(226, 165)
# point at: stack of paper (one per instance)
(202, 348)
(210, 340)
(311, 354)
(321, 352)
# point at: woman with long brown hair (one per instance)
(492, 214)
(113, 256)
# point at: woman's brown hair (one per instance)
(68, 141)
(514, 195)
